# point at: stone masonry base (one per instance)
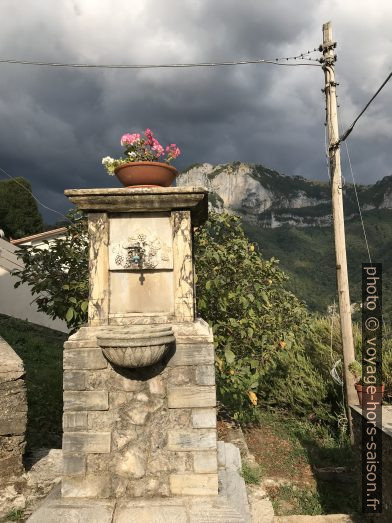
(230, 506)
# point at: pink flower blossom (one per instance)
(173, 150)
(157, 147)
(149, 135)
(129, 139)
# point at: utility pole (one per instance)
(329, 58)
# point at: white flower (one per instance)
(132, 154)
(107, 160)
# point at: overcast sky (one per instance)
(56, 124)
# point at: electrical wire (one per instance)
(35, 198)
(276, 61)
(358, 203)
(346, 133)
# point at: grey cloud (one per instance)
(56, 124)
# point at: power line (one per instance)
(277, 61)
(35, 198)
(346, 133)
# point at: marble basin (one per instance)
(138, 347)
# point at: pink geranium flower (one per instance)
(129, 139)
(150, 136)
(157, 147)
(173, 151)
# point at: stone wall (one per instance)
(13, 412)
(140, 432)
(386, 455)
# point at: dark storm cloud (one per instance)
(56, 124)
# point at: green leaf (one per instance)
(70, 314)
(84, 306)
(229, 355)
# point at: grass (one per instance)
(16, 514)
(41, 351)
(251, 475)
(288, 450)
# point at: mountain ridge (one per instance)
(301, 236)
(270, 199)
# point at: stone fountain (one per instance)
(139, 440)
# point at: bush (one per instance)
(58, 275)
(254, 318)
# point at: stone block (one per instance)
(90, 486)
(204, 418)
(205, 374)
(205, 462)
(149, 514)
(73, 511)
(179, 417)
(81, 344)
(74, 464)
(94, 442)
(125, 382)
(12, 423)
(86, 400)
(87, 358)
(193, 396)
(131, 464)
(193, 354)
(74, 380)
(103, 419)
(221, 454)
(13, 399)
(156, 386)
(194, 484)
(74, 421)
(182, 375)
(11, 463)
(119, 399)
(194, 439)
(217, 509)
(11, 364)
(232, 457)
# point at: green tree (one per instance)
(254, 318)
(19, 215)
(58, 276)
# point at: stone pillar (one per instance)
(145, 431)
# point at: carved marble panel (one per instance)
(183, 266)
(140, 242)
(98, 230)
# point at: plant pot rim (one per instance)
(156, 164)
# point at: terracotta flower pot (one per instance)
(147, 174)
(367, 398)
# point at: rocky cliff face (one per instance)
(270, 199)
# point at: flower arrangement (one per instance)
(141, 148)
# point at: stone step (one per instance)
(329, 518)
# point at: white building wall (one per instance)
(19, 303)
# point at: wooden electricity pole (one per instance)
(338, 216)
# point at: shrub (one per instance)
(58, 276)
(254, 318)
